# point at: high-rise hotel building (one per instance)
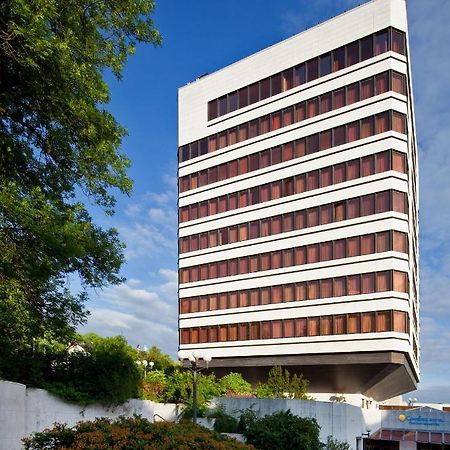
(298, 208)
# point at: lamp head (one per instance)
(151, 364)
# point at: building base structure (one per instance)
(377, 375)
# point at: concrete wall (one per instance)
(340, 420)
(24, 411)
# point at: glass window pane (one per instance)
(367, 89)
(339, 99)
(300, 112)
(312, 69)
(381, 42)
(223, 106)
(265, 88)
(398, 42)
(325, 103)
(276, 83)
(325, 64)
(399, 161)
(382, 122)
(233, 101)
(353, 131)
(352, 53)
(212, 109)
(368, 244)
(339, 287)
(353, 248)
(366, 48)
(312, 145)
(254, 93)
(367, 205)
(299, 75)
(352, 93)
(287, 79)
(339, 135)
(312, 107)
(383, 242)
(382, 83)
(353, 208)
(382, 202)
(398, 83)
(338, 59)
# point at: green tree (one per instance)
(283, 430)
(280, 384)
(234, 384)
(58, 144)
(335, 444)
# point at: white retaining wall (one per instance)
(24, 410)
(340, 420)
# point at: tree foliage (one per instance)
(58, 144)
(281, 384)
(283, 430)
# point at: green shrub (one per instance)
(280, 384)
(106, 373)
(285, 431)
(224, 423)
(234, 384)
(154, 384)
(335, 444)
(131, 433)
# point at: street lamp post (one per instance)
(194, 358)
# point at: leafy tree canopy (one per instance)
(58, 144)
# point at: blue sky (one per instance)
(203, 36)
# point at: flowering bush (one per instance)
(131, 433)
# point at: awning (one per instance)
(431, 437)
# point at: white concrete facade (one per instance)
(194, 125)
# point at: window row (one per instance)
(306, 254)
(366, 322)
(296, 113)
(366, 283)
(358, 168)
(266, 158)
(319, 215)
(346, 56)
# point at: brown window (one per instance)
(185, 305)
(233, 300)
(326, 251)
(265, 330)
(300, 220)
(353, 285)
(400, 242)
(313, 253)
(213, 303)
(367, 283)
(399, 202)
(352, 131)
(275, 260)
(288, 293)
(400, 281)
(398, 83)
(325, 139)
(339, 173)
(399, 162)
(243, 331)
(243, 265)
(276, 190)
(299, 75)
(398, 42)
(340, 324)
(383, 321)
(232, 267)
(339, 211)
(326, 176)
(288, 151)
(288, 258)
(265, 227)
(381, 42)
(313, 326)
(233, 332)
(265, 261)
(367, 205)
(313, 290)
(353, 169)
(326, 325)
(354, 323)
(300, 256)
(222, 204)
(339, 135)
(312, 69)
(368, 322)
(300, 327)
(382, 202)
(368, 244)
(398, 122)
(339, 249)
(399, 321)
(288, 328)
(265, 88)
(366, 47)
(203, 335)
(352, 53)
(288, 222)
(277, 330)
(381, 122)
(243, 232)
(300, 184)
(254, 263)
(312, 144)
(223, 301)
(383, 241)
(243, 299)
(326, 288)
(339, 98)
(223, 333)
(313, 217)
(382, 83)
(312, 180)
(277, 223)
(265, 296)
(353, 208)
(325, 103)
(367, 88)
(339, 287)
(213, 334)
(185, 336)
(213, 270)
(300, 112)
(338, 59)
(352, 93)
(300, 291)
(203, 272)
(287, 79)
(326, 214)
(353, 248)
(288, 116)
(382, 162)
(366, 127)
(383, 281)
(254, 330)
